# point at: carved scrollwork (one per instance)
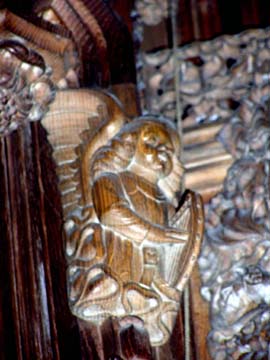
(129, 250)
(234, 263)
(25, 86)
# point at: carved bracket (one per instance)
(130, 252)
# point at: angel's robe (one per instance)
(128, 206)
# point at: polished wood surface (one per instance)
(129, 251)
(34, 298)
(32, 249)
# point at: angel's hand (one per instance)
(175, 236)
(167, 235)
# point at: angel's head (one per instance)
(148, 148)
(154, 150)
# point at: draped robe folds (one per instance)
(130, 275)
(128, 205)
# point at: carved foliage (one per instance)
(234, 263)
(129, 251)
(25, 87)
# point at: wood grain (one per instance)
(129, 251)
(29, 177)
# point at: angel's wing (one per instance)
(79, 122)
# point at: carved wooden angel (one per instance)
(129, 250)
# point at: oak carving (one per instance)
(216, 77)
(130, 252)
(235, 258)
(25, 86)
(151, 12)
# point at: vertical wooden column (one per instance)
(35, 320)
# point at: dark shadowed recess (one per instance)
(116, 65)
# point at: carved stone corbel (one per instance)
(129, 246)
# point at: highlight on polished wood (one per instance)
(132, 236)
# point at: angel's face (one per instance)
(154, 150)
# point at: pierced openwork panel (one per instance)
(215, 76)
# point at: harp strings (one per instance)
(175, 22)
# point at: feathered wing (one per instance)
(78, 123)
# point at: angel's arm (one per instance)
(114, 211)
